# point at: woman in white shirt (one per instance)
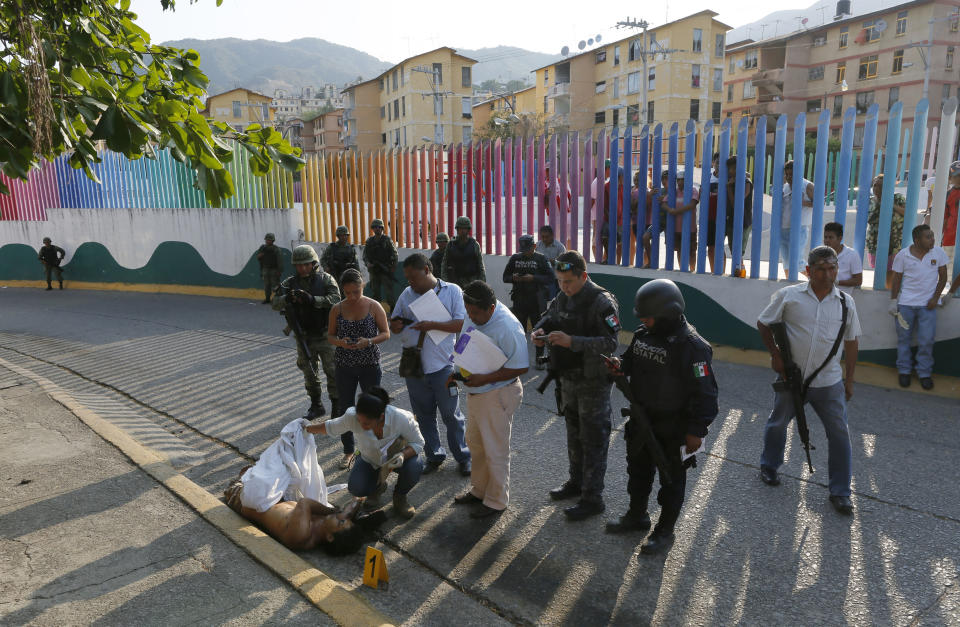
(389, 440)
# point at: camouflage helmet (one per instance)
(270, 236)
(342, 230)
(376, 223)
(47, 240)
(305, 254)
(442, 237)
(463, 222)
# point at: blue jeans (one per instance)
(924, 322)
(364, 477)
(831, 406)
(427, 395)
(785, 247)
(348, 378)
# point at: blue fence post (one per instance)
(903, 158)
(721, 218)
(797, 193)
(820, 178)
(642, 191)
(841, 196)
(689, 155)
(739, 190)
(671, 230)
(655, 205)
(865, 178)
(776, 192)
(759, 176)
(704, 184)
(614, 199)
(915, 173)
(625, 195)
(886, 198)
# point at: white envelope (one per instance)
(476, 353)
(429, 308)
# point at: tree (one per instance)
(528, 125)
(75, 72)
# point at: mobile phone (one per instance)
(606, 357)
(351, 340)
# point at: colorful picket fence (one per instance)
(126, 184)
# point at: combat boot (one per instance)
(49, 287)
(401, 507)
(316, 409)
(629, 522)
(658, 542)
(61, 284)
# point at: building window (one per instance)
(546, 105)
(870, 32)
(901, 23)
(466, 134)
(897, 61)
(633, 82)
(813, 106)
(650, 112)
(602, 56)
(844, 34)
(948, 61)
(236, 109)
(383, 112)
(380, 83)
(819, 40)
(652, 38)
(815, 73)
(715, 112)
(837, 106)
(695, 76)
(695, 109)
(730, 69)
(389, 112)
(729, 92)
(651, 77)
(864, 100)
(945, 95)
(401, 77)
(868, 67)
(634, 50)
(616, 55)
(719, 45)
(396, 78)
(546, 77)
(955, 22)
(894, 97)
(717, 79)
(616, 117)
(466, 106)
(383, 138)
(750, 59)
(600, 87)
(633, 115)
(465, 78)
(841, 71)
(403, 106)
(438, 73)
(616, 87)
(600, 117)
(748, 90)
(697, 40)
(858, 137)
(396, 109)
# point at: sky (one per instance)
(392, 30)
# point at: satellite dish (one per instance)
(881, 26)
(581, 45)
(590, 42)
(804, 21)
(597, 39)
(565, 50)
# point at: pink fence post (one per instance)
(577, 177)
(528, 168)
(540, 182)
(562, 202)
(451, 187)
(468, 174)
(588, 171)
(551, 210)
(518, 186)
(488, 196)
(408, 214)
(497, 190)
(599, 206)
(508, 193)
(459, 181)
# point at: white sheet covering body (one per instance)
(287, 470)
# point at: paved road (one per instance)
(209, 382)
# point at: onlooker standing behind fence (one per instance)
(950, 212)
(806, 218)
(873, 226)
(380, 257)
(919, 276)
(551, 249)
(849, 266)
(268, 256)
(357, 324)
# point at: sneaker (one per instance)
(401, 507)
(926, 383)
(467, 498)
(769, 476)
(842, 504)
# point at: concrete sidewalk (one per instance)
(85, 536)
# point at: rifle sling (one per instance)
(833, 349)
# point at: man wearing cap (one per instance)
(436, 259)
(380, 257)
(268, 256)
(530, 273)
(51, 256)
(670, 370)
(581, 325)
(340, 255)
(462, 260)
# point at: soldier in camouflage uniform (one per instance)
(582, 324)
(436, 259)
(380, 257)
(309, 294)
(462, 259)
(340, 255)
(268, 256)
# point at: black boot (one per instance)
(629, 522)
(316, 410)
(61, 284)
(49, 287)
(659, 541)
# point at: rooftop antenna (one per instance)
(822, 9)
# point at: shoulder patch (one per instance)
(613, 322)
(700, 369)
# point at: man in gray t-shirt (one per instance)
(551, 249)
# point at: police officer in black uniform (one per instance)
(670, 373)
(436, 259)
(581, 324)
(463, 260)
(340, 255)
(530, 273)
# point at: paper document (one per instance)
(428, 308)
(684, 455)
(476, 353)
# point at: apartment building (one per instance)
(426, 98)
(321, 133)
(309, 99)
(855, 60)
(502, 105)
(603, 86)
(240, 107)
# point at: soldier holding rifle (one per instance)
(817, 318)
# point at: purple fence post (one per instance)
(497, 192)
(577, 177)
(529, 178)
(588, 171)
(562, 202)
(508, 194)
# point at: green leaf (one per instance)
(8, 90)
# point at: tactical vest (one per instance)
(462, 259)
(271, 257)
(379, 251)
(314, 320)
(436, 260)
(341, 258)
(576, 321)
(526, 291)
(657, 375)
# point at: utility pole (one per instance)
(644, 52)
(436, 94)
(929, 46)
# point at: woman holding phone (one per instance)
(357, 325)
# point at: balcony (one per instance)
(773, 107)
(559, 90)
(770, 77)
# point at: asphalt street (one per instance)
(209, 383)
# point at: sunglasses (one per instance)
(566, 266)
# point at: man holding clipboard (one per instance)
(494, 393)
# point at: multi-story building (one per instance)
(307, 101)
(502, 105)
(604, 86)
(321, 133)
(426, 98)
(240, 107)
(879, 57)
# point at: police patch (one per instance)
(613, 322)
(700, 369)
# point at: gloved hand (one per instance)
(395, 462)
(893, 310)
(302, 297)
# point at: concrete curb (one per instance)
(328, 595)
(150, 288)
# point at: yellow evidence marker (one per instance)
(374, 568)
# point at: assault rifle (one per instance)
(290, 313)
(639, 421)
(553, 373)
(792, 382)
(384, 269)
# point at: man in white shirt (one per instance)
(806, 217)
(812, 314)
(492, 399)
(919, 276)
(849, 265)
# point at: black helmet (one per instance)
(526, 241)
(660, 298)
